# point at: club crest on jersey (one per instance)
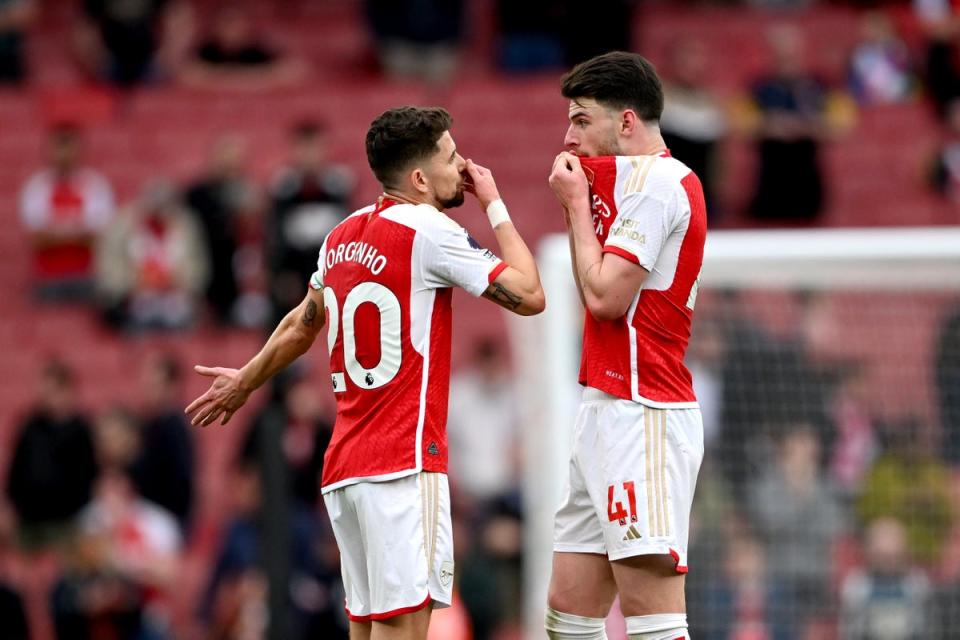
(446, 573)
(591, 176)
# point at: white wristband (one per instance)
(497, 213)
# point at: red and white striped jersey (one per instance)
(649, 210)
(386, 273)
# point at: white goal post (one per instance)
(547, 348)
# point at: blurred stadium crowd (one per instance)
(173, 167)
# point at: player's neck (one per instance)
(651, 143)
(400, 197)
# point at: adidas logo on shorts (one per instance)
(632, 534)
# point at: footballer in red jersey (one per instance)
(637, 226)
(383, 288)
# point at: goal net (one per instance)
(827, 365)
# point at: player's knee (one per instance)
(661, 626)
(555, 602)
(595, 602)
(566, 626)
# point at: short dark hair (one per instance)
(399, 137)
(617, 79)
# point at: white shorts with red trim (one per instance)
(396, 545)
(632, 476)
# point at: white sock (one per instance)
(661, 626)
(566, 626)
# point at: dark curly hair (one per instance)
(400, 137)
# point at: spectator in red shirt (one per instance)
(64, 207)
(152, 264)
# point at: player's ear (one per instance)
(419, 180)
(629, 121)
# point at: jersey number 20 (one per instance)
(390, 347)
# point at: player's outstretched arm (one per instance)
(231, 387)
(517, 288)
(607, 282)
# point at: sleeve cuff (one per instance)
(496, 271)
(623, 253)
(315, 283)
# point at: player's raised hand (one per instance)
(481, 184)
(224, 396)
(568, 181)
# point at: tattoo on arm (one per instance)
(310, 313)
(586, 274)
(503, 296)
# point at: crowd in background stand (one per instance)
(830, 522)
(788, 111)
(161, 261)
(108, 499)
(111, 495)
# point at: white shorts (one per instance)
(396, 545)
(633, 471)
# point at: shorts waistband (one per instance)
(594, 395)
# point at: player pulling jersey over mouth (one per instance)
(637, 225)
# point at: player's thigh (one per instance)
(643, 473)
(408, 544)
(396, 545)
(649, 584)
(642, 470)
(348, 532)
(576, 527)
(360, 630)
(409, 626)
(581, 584)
